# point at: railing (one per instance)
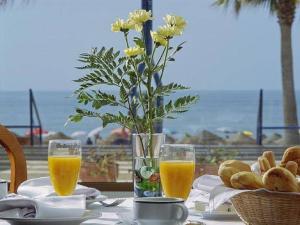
(32, 111)
(260, 127)
(36, 157)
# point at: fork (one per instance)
(109, 203)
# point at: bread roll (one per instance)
(291, 154)
(231, 167)
(269, 155)
(246, 180)
(280, 179)
(292, 167)
(264, 164)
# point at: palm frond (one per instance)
(270, 5)
(3, 3)
(237, 5)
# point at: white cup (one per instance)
(159, 211)
(3, 188)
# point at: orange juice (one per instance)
(64, 171)
(177, 178)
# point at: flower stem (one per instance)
(165, 62)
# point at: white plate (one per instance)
(215, 215)
(99, 198)
(89, 214)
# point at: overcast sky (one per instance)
(40, 43)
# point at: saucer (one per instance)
(88, 214)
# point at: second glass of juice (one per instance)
(177, 168)
(64, 161)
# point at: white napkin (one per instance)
(36, 198)
(207, 183)
(217, 193)
(42, 207)
(42, 187)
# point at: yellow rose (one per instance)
(158, 39)
(134, 51)
(121, 25)
(176, 21)
(139, 17)
(168, 31)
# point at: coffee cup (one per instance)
(159, 211)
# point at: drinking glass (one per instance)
(177, 168)
(64, 160)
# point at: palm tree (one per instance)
(285, 11)
(2, 2)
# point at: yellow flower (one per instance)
(121, 25)
(158, 39)
(140, 16)
(134, 51)
(168, 31)
(176, 21)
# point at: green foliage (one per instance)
(107, 68)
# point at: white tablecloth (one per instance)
(110, 216)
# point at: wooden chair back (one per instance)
(18, 167)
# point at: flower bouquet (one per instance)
(133, 74)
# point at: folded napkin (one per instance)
(18, 206)
(36, 198)
(42, 187)
(217, 193)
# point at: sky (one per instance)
(40, 43)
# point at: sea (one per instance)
(216, 111)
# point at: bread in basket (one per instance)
(279, 202)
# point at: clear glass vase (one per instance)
(146, 177)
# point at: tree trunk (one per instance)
(288, 89)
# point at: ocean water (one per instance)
(234, 110)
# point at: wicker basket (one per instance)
(266, 208)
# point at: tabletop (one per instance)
(110, 216)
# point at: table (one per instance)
(110, 216)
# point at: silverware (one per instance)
(112, 202)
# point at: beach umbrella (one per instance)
(55, 136)
(95, 132)
(93, 135)
(121, 132)
(226, 130)
(272, 139)
(79, 135)
(36, 131)
(207, 137)
(241, 139)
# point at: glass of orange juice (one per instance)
(64, 159)
(177, 168)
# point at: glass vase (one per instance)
(146, 176)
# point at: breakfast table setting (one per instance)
(37, 204)
(266, 192)
(59, 199)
